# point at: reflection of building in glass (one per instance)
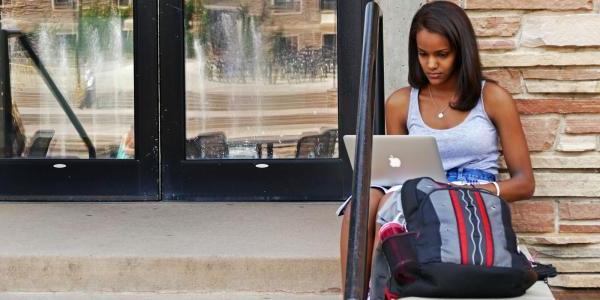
(64, 4)
(26, 14)
(263, 74)
(264, 40)
(309, 20)
(87, 48)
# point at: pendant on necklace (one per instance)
(440, 115)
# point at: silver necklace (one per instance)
(440, 112)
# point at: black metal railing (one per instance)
(355, 285)
(5, 89)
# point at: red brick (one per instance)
(574, 210)
(587, 73)
(587, 124)
(533, 216)
(509, 79)
(540, 132)
(576, 228)
(496, 26)
(497, 44)
(531, 4)
(560, 106)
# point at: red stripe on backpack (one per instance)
(460, 222)
(487, 229)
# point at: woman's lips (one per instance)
(435, 75)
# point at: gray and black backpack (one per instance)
(459, 243)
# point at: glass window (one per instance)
(88, 54)
(285, 6)
(64, 4)
(328, 4)
(260, 84)
(329, 42)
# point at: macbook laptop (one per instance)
(397, 158)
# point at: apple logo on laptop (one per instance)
(395, 162)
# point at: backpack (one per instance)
(459, 244)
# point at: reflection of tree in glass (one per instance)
(230, 40)
(196, 22)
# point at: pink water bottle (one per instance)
(391, 228)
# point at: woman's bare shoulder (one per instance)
(399, 99)
(396, 111)
(497, 100)
(494, 94)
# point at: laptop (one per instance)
(397, 158)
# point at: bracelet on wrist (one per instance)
(497, 188)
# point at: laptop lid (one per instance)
(397, 158)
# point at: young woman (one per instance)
(448, 98)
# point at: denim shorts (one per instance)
(392, 209)
(469, 176)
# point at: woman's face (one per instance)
(436, 56)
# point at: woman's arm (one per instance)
(396, 111)
(502, 110)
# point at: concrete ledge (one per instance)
(169, 247)
(173, 250)
(168, 274)
(539, 291)
(164, 296)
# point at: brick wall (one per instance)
(547, 54)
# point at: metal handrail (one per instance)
(64, 104)
(355, 287)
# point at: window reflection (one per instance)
(261, 79)
(87, 49)
(328, 4)
(64, 4)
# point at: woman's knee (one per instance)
(384, 199)
(376, 194)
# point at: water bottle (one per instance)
(391, 228)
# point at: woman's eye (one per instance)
(443, 55)
(422, 54)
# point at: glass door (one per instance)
(79, 100)
(255, 95)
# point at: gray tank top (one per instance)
(471, 144)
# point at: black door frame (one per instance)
(241, 180)
(103, 179)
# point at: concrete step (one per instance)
(166, 296)
(173, 250)
(166, 247)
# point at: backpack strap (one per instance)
(410, 201)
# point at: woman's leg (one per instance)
(379, 270)
(382, 203)
(374, 199)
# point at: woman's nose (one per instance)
(432, 63)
